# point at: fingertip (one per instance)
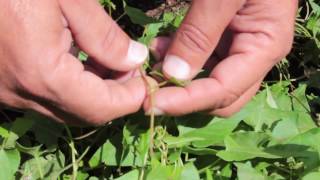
(137, 53)
(176, 67)
(137, 88)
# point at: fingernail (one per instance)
(176, 67)
(155, 110)
(137, 52)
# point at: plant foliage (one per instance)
(276, 136)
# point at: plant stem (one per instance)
(73, 154)
(144, 167)
(152, 119)
(86, 135)
(77, 161)
(151, 90)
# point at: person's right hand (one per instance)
(38, 72)
(237, 41)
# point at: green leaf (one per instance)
(302, 147)
(295, 123)
(108, 3)
(175, 142)
(312, 176)
(285, 129)
(247, 172)
(271, 105)
(138, 17)
(82, 56)
(44, 167)
(18, 128)
(299, 100)
(199, 151)
(226, 172)
(134, 174)
(270, 99)
(209, 174)
(93, 178)
(150, 32)
(307, 139)
(204, 132)
(281, 98)
(46, 131)
(161, 172)
(113, 154)
(260, 114)
(190, 172)
(245, 145)
(9, 160)
(4, 132)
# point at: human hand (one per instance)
(249, 36)
(38, 72)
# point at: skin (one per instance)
(38, 72)
(248, 36)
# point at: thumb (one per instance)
(198, 36)
(99, 36)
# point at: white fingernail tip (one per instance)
(176, 67)
(137, 52)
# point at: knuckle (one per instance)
(194, 38)
(282, 42)
(229, 98)
(282, 48)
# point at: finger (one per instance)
(99, 36)
(88, 97)
(104, 73)
(159, 47)
(198, 36)
(247, 63)
(199, 95)
(238, 104)
(126, 76)
(97, 68)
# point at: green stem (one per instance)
(144, 167)
(73, 154)
(77, 161)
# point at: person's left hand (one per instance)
(249, 37)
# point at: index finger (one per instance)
(88, 97)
